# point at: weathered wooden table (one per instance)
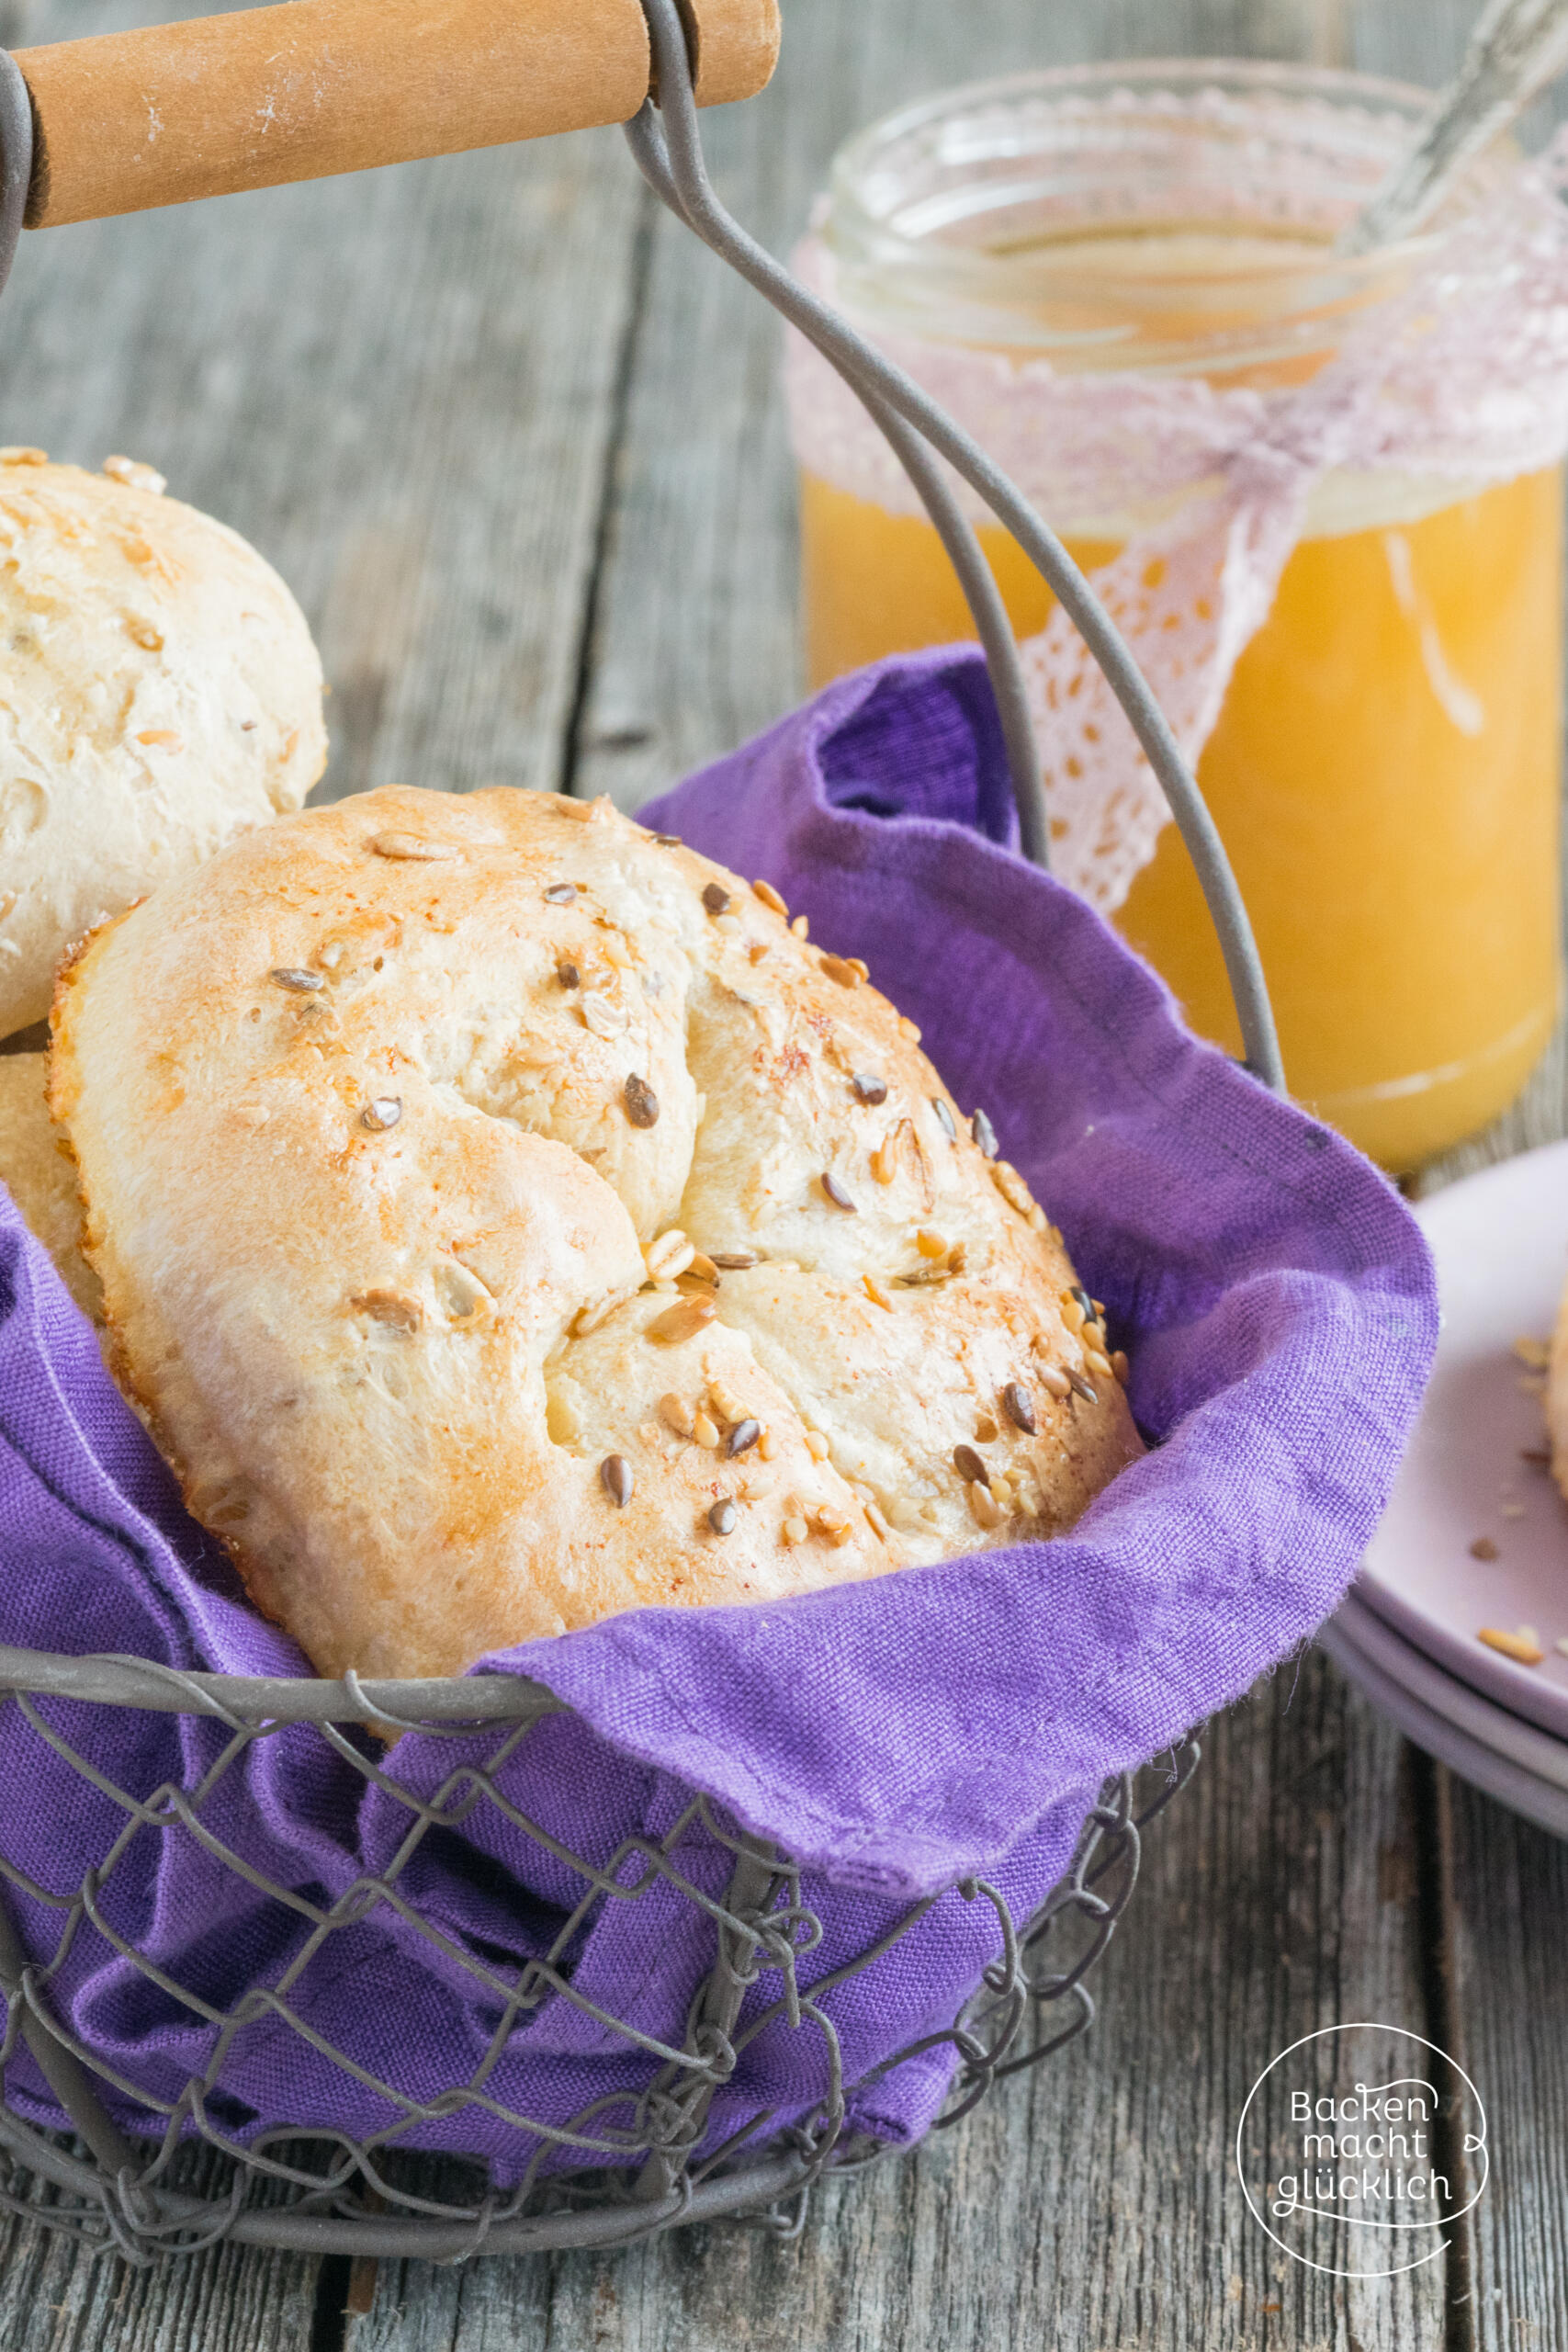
(517, 443)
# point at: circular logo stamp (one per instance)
(1358, 2148)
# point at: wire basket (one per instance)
(328, 2193)
(336, 2195)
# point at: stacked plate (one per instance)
(1476, 1536)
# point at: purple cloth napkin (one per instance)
(896, 1736)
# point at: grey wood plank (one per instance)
(1092, 2205)
(1512, 1883)
(54, 2298)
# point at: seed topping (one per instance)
(833, 1190)
(561, 894)
(134, 475)
(1012, 1188)
(668, 841)
(986, 1510)
(682, 1321)
(676, 1414)
(1522, 1646)
(615, 1477)
(668, 1256)
(969, 1467)
(735, 1262)
(598, 1310)
(769, 897)
(416, 848)
(984, 1134)
(945, 1118)
(742, 1437)
(838, 967)
(986, 1431)
(605, 1019)
(642, 1103)
(1080, 1387)
(1019, 1407)
(723, 1516)
(390, 1306)
(716, 899)
(568, 975)
(384, 1111)
(870, 1088)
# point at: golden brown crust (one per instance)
(397, 1128)
(36, 1169)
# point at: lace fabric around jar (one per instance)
(1454, 381)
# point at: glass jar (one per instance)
(1384, 768)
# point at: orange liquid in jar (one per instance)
(1385, 767)
(1384, 774)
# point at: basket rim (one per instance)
(106, 1678)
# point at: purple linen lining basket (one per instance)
(691, 1903)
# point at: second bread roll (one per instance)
(159, 693)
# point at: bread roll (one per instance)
(159, 693)
(35, 1168)
(397, 1125)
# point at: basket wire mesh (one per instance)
(640, 2165)
(642, 2169)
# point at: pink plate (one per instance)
(1500, 1239)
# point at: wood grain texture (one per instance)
(1511, 1901)
(1092, 2205)
(52, 2298)
(201, 106)
(165, 114)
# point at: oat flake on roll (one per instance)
(159, 693)
(506, 1218)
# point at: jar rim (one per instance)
(926, 208)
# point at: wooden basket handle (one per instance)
(304, 88)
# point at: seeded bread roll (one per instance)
(159, 693)
(36, 1173)
(506, 1218)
